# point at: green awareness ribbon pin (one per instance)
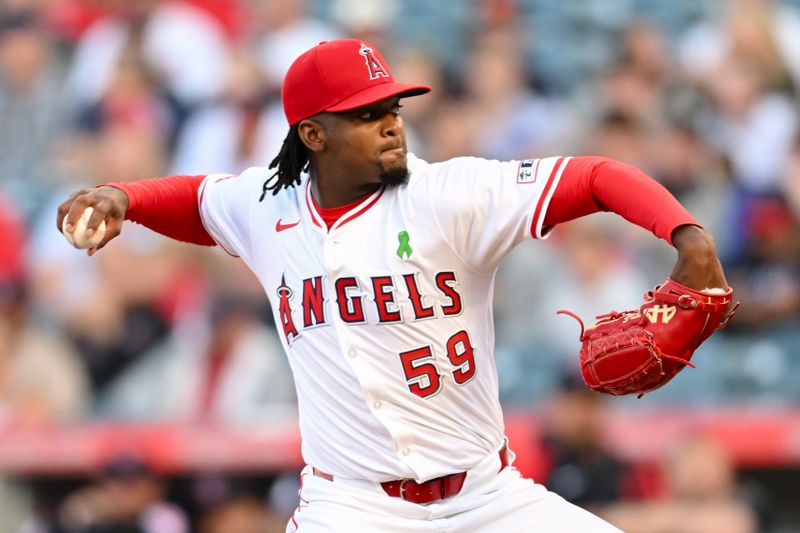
(404, 247)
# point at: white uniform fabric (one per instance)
(387, 317)
(358, 417)
(490, 501)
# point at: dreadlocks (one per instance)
(291, 161)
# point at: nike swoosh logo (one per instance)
(280, 227)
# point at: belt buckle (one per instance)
(403, 488)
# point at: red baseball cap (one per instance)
(337, 76)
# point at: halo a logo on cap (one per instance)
(376, 70)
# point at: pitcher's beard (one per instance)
(394, 177)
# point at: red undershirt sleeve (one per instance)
(168, 206)
(592, 184)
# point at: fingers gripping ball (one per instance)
(638, 351)
(78, 238)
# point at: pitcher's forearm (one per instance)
(167, 205)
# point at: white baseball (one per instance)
(78, 237)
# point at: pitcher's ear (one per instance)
(312, 134)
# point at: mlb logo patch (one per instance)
(526, 173)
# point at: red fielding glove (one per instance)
(637, 351)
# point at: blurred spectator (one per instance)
(110, 315)
(507, 120)
(242, 514)
(701, 497)
(646, 54)
(231, 14)
(183, 46)
(450, 131)
(244, 128)
(130, 102)
(791, 178)
(763, 33)
(626, 93)
(752, 126)
(97, 53)
(639, 85)
(32, 108)
(766, 277)
(595, 277)
(620, 109)
(129, 498)
(125, 154)
(681, 160)
(748, 62)
(620, 136)
(234, 373)
(188, 49)
(579, 466)
(116, 318)
(16, 504)
(42, 380)
(687, 166)
(70, 18)
(290, 30)
(370, 21)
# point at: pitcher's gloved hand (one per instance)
(640, 350)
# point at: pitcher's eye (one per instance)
(375, 114)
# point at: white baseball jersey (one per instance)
(386, 318)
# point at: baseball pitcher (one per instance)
(380, 268)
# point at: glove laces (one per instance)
(613, 315)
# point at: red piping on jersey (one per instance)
(202, 218)
(330, 215)
(543, 197)
(362, 210)
(311, 209)
(590, 184)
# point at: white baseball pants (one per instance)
(488, 502)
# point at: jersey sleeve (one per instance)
(592, 184)
(484, 208)
(226, 202)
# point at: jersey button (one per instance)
(405, 450)
(377, 404)
(352, 353)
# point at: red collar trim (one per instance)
(336, 217)
(331, 214)
(311, 204)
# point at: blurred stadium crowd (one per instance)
(702, 95)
